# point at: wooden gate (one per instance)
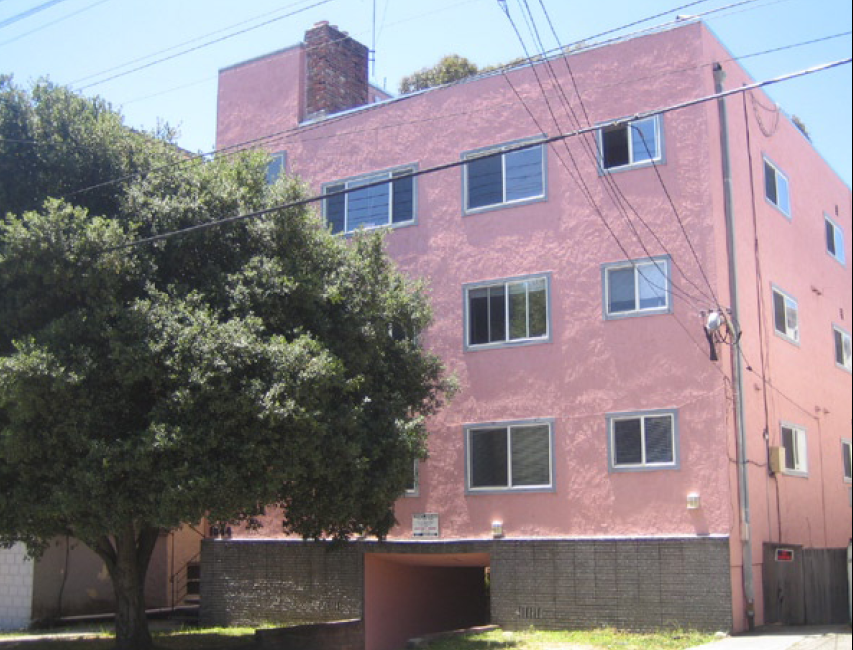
(804, 586)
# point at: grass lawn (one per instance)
(602, 639)
(238, 638)
(94, 639)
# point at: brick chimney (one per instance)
(336, 71)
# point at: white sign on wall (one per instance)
(425, 525)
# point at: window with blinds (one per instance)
(645, 440)
(514, 456)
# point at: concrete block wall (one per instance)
(16, 588)
(634, 584)
(252, 582)
(626, 583)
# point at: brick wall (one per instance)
(632, 584)
(344, 635)
(252, 582)
(16, 588)
(336, 71)
(628, 583)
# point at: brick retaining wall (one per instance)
(634, 584)
(563, 583)
(253, 582)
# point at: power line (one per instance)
(610, 185)
(203, 45)
(458, 163)
(53, 22)
(29, 12)
(279, 137)
(174, 47)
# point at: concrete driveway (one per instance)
(817, 637)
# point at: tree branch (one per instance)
(105, 550)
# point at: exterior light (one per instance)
(693, 501)
(497, 529)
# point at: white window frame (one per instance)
(506, 283)
(836, 252)
(415, 490)
(503, 151)
(510, 426)
(791, 306)
(635, 160)
(796, 457)
(839, 334)
(355, 182)
(778, 175)
(643, 465)
(847, 455)
(661, 263)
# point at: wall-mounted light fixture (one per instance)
(693, 501)
(497, 529)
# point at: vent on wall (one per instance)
(529, 612)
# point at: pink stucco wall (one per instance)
(796, 384)
(591, 366)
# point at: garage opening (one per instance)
(409, 594)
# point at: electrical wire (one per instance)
(318, 3)
(29, 12)
(53, 22)
(595, 156)
(612, 181)
(280, 137)
(458, 163)
(182, 44)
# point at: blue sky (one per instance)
(82, 43)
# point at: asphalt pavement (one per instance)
(773, 637)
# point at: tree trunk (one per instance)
(127, 555)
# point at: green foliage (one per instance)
(53, 142)
(454, 67)
(450, 68)
(597, 639)
(210, 373)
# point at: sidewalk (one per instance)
(818, 637)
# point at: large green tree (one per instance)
(144, 385)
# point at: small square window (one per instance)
(842, 348)
(636, 288)
(376, 204)
(796, 457)
(776, 188)
(847, 459)
(642, 441)
(631, 144)
(515, 456)
(786, 320)
(507, 312)
(834, 240)
(503, 176)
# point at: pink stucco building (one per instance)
(597, 465)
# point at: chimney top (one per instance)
(336, 71)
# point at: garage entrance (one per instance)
(411, 594)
